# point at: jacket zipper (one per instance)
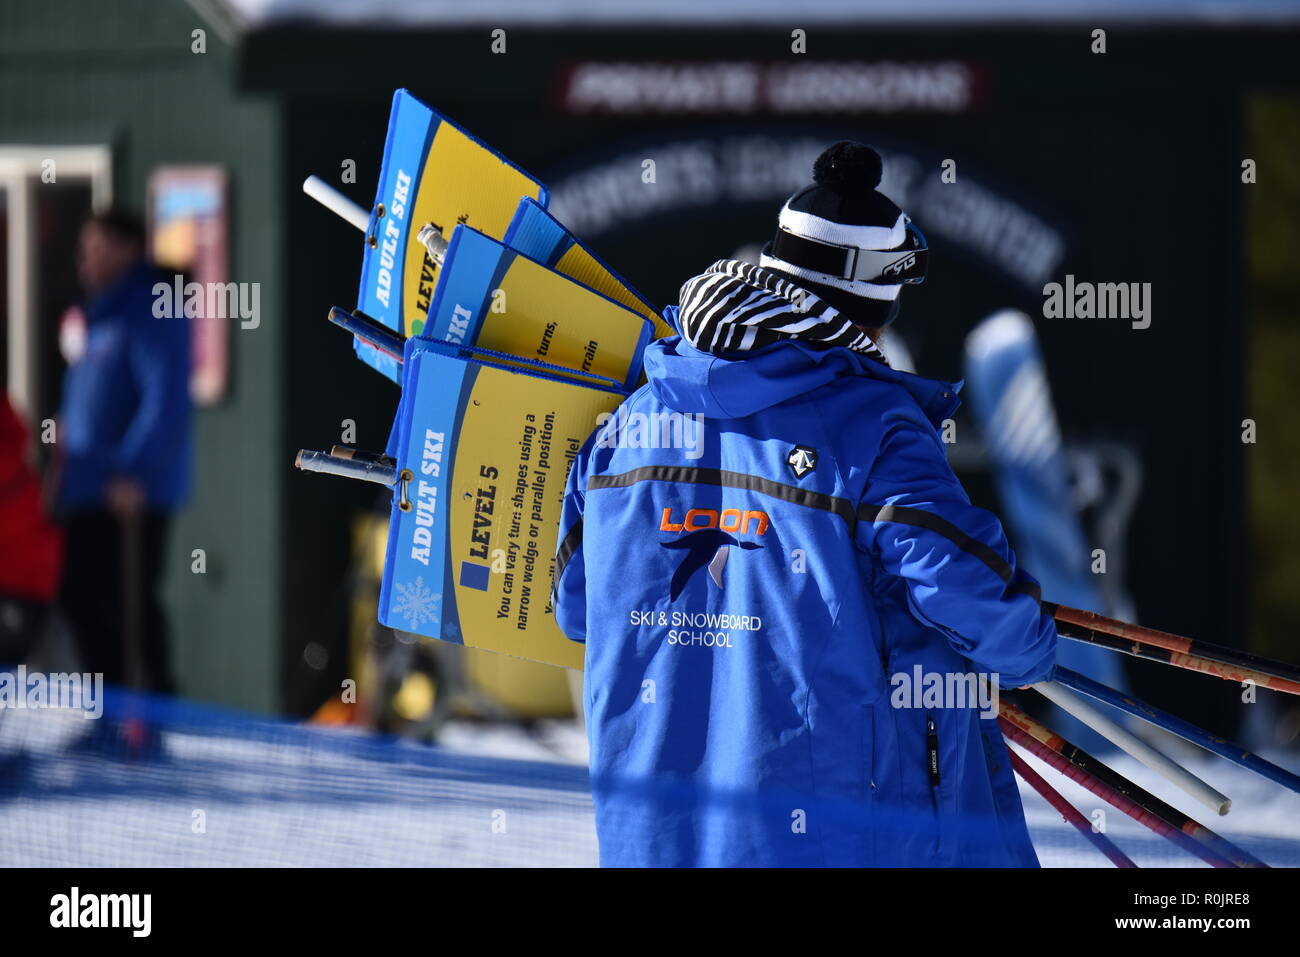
(932, 751)
(932, 768)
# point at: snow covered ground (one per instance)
(1264, 820)
(256, 793)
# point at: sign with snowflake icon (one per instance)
(417, 602)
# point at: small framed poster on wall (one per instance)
(188, 230)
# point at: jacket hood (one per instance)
(123, 294)
(687, 379)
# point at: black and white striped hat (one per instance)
(846, 242)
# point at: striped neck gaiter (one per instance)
(735, 306)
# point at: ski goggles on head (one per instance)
(904, 263)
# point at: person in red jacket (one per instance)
(31, 549)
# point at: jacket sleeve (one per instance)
(160, 367)
(569, 591)
(960, 572)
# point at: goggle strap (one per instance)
(884, 266)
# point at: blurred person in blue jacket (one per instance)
(124, 439)
(787, 616)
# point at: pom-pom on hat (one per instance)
(845, 241)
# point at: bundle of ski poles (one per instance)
(1071, 692)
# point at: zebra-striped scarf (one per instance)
(734, 306)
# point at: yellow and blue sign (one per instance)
(483, 447)
(494, 298)
(435, 173)
(516, 340)
(540, 236)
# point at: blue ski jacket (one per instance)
(126, 401)
(780, 613)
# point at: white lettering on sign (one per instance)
(426, 496)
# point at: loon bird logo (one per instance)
(708, 546)
(801, 460)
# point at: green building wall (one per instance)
(123, 73)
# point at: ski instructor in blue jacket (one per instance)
(788, 606)
(126, 445)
